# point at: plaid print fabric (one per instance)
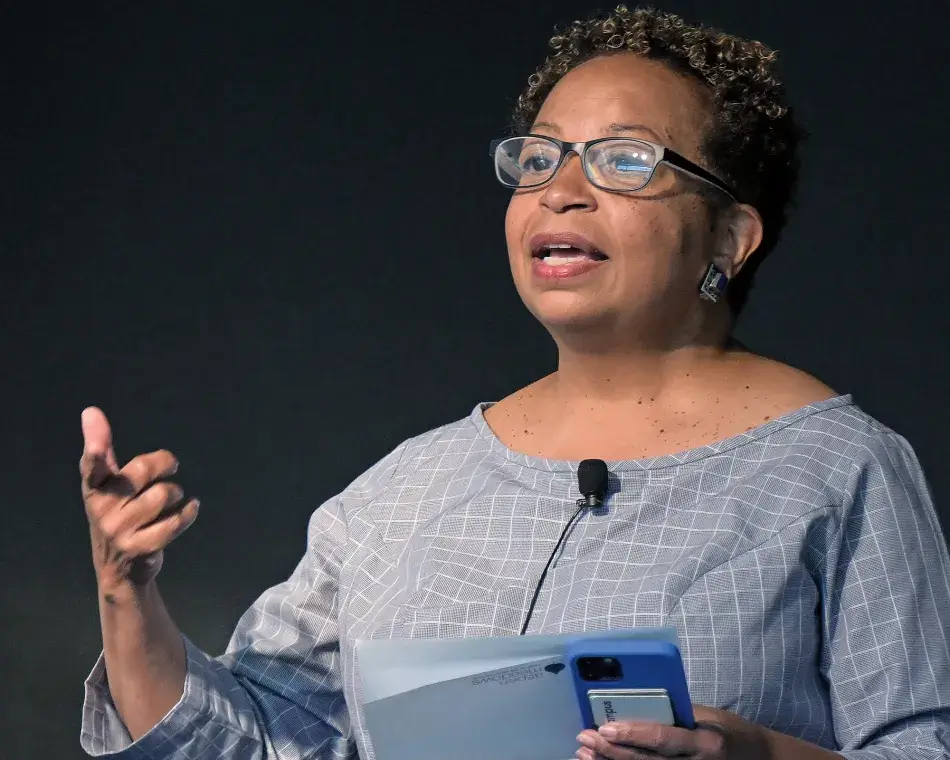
(801, 562)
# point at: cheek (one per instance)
(516, 219)
(664, 234)
(649, 234)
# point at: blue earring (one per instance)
(714, 284)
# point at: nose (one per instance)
(569, 188)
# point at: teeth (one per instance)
(559, 258)
(562, 254)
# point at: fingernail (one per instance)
(608, 732)
(175, 467)
(587, 740)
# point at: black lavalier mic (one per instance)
(592, 483)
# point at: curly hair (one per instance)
(753, 139)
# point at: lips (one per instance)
(561, 256)
(564, 245)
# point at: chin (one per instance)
(565, 310)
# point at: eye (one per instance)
(627, 161)
(535, 160)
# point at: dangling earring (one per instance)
(714, 284)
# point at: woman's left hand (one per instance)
(719, 735)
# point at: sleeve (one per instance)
(887, 609)
(277, 692)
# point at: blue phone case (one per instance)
(645, 665)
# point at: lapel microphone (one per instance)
(592, 483)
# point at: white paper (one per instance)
(394, 666)
(487, 698)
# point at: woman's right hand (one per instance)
(133, 512)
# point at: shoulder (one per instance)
(862, 437)
(442, 451)
(835, 436)
(523, 401)
(780, 386)
(829, 429)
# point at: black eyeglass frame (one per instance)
(663, 155)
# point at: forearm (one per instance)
(144, 655)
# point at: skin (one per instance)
(134, 512)
(641, 360)
(644, 364)
(645, 367)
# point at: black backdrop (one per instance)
(268, 237)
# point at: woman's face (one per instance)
(658, 241)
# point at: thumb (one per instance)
(98, 456)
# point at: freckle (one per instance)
(747, 387)
(526, 431)
(768, 417)
(639, 400)
(745, 407)
(662, 430)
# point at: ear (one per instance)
(739, 232)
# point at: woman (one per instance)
(789, 537)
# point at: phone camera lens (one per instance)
(599, 669)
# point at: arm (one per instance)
(887, 614)
(277, 693)
(144, 653)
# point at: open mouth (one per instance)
(565, 253)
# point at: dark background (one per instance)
(268, 237)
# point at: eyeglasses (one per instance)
(610, 163)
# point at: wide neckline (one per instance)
(499, 449)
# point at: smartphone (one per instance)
(618, 680)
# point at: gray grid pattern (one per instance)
(802, 563)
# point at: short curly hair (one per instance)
(754, 138)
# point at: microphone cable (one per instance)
(581, 506)
(592, 478)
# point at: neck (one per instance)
(635, 375)
(607, 371)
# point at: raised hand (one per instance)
(133, 512)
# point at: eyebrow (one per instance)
(617, 128)
(545, 125)
(612, 129)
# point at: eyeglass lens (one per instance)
(617, 164)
